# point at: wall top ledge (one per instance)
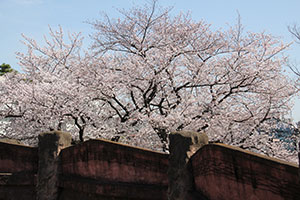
(225, 146)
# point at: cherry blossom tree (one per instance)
(50, 93)
(174, 73)
(150, 73)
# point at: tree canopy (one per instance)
(5, 68)
(150, 73)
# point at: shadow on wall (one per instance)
(102, 169)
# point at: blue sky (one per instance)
(32, 18)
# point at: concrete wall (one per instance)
(17, 158)
(99, 169)
(224, 172)
(18, 168)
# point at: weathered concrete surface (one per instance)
(18, 167)
(299, 162)
(14, 192)
(50, 145)
(10, 141)
(17, 158)
(182, 146)
(94, 189)
(16, 186)
(100, 169)
(107, 169)
(226, 172)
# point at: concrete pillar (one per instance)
(299, 161)
(181, 182)
(50, 145)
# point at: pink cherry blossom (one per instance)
(150, 73)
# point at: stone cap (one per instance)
(64, 138)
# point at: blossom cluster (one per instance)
(146, 75)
